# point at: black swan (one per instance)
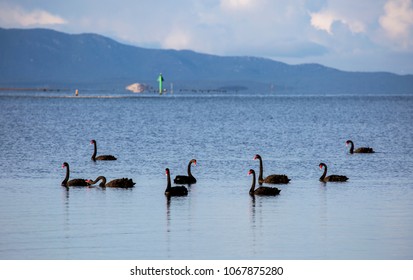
(74, 182)
(102, 157)
(361, 150)
(174, 191)
(189, 179)
(271, 179)
(331, 178)
(261, 190)
(115, 183)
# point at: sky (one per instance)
(350, 35)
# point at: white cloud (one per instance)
(236, 4)
(397, 22)
(322, 21)
(177, 39)
(16, 16)
(325, 19)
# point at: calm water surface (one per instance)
(368, 217)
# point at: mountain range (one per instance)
(48, 58)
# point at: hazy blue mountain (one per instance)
(42, 57)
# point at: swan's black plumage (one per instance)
(186, 179)
(176, 190)
(115, 183)
(261, 190)
(361, 150)
(101, 157)
(331, 178)
(271, 179)
(74, 182)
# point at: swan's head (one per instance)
(92, 141)
(348, 142)
(321, 165)
(193, 161)
(167, 171)
(65, 164)
(251, 171)
(257, 156)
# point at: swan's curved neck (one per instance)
(168, 179)
(67, 176)
(260, 175)
(94, 150)
(253, 183)
(189, 169)
(103, 183)
(324, 173)
(351, 147)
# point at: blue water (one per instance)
(368, 217)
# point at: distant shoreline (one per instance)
(30, 89)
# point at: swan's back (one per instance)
(105, 157)
(121, 183)
(364, 150)
(177, 191)
(276, 179)
(77, 183)
(335, 178)
(266, 191)
(182, 179)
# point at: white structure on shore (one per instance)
(136, 87)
